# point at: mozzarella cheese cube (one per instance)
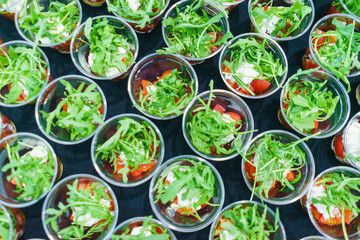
(134, 4)
(226, 235)
(136, 231)
(353, 138)
(184, 203)
(13, 5)
(45, 41)
(247, 71)
(318, 192)
(269, 27)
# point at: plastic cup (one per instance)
(139, 221)
(232, 103)
(48, 99)
(338, 119)
(79, 49)
(307, 171)
(17, 222)
(280, 232)
(15, 44)
(190, 225)
(150, 68)
(357, 92)
(7, 190)
(7, 127)
(272, 47)
(105, 169)
(303, 28)
(59, 194)
(154, 21)
(340, 8)
(212, 9)
(62, 47)
(229, 6)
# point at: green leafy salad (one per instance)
(4, 225)
(132, 150)
(193, 32)
(168, 95)
(52, 26)
(31, 173)
(23, 73)
(91, 208)
(110, 53)
(281, 22)
(79, 111)
(352, 5)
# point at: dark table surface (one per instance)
(134, 202)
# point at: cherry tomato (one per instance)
(234, 116)
(339, 146)
(290, 176)
(219, 108)
(258, 85)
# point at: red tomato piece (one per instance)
(339, 146)
(166, 73)
(234, 116)
(258, 85)
(219, 108)
(22, 96)
(290, 176)
(213, 37)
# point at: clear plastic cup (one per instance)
(208, 216)
(79, 49)
(342, 141)
(94, 3)
(304, 26)
(280, 232)
(229, 6)
(212, 9)
(335, 231)
(16, 220)
(154, 21)
(272, 47)
(139, 221)
(9, 10)
(337, 120)
(357, 92)
(324, 24)
(8, 193)
(314, 238)
(230, 102)
(307, 171)
(340, 8)
(62, 47)
(7, 127)
(15, 44)
(47, 101)
(150, 68)
(59, 194)
(106, 169)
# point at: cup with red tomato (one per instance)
(315, 83)
(7, 127)
(13, 223)
(9, 9)
(261, 85)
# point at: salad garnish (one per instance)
(168, 95)
(79, 112)
(352, 5)
(246, 222)
(132, 150)
(23, 73)
(146, 230)
(137, 10)
(31, 173)
(338, 50)
(90, 207)
(193, 33)
(252, 67)
(186, 189)
(4, 225)
(52, 26)
(334, 199)
(110, 53)
(278, 21)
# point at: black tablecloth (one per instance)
(134, 201)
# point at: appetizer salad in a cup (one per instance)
(253, 65)
(281, 20)
(50, 23)
(25, 70)
(345, 6)
(195, 29)
(186, 193)
(127, 150)
(104, 48)
(12, 223)
(80, 206)
(69, 109)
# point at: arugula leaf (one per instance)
(4, 225)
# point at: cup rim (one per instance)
(234, 97)
(22, 34)
(66, 181)
(138, 219)
(212, 4)
(311, 163)
(67, 78)
(312, 17)
(56, 167)
(45, 58)
(264, 37)
(137, 69)
(343, 92)
(7, 214)
(345, 142)
(329, 170)
(230, 4)
(93, 76)
(314, 238)
(316, 25)
(348, 10)
(6, 9)
(197, 226)
(120, 183)
(233, 204)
